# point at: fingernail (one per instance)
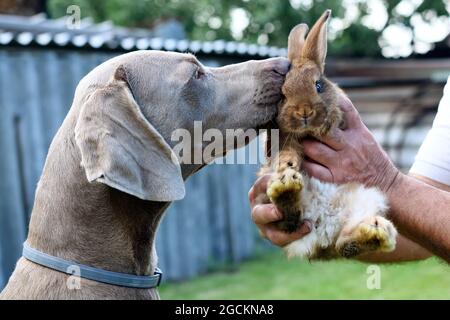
(306, 227)
(250, 194)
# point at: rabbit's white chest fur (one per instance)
(330, 208)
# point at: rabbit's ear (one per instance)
(315, 47)
(296, 41)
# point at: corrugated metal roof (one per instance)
(41, 31)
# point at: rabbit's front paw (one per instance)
(372, 234)
(285, 186)
(284, 191)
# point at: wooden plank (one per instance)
(387, 107)
(185, 259)
(220, 197)
(231, 208)
(248, 177)
(172, 243)
(238, 211)
(402, 119)
(52, 102)
(12, 215)
(200, 225)
(394, 93)
(388, 69)
(198, 228)
(35, 144)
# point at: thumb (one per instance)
(351, 115)
(304, 229)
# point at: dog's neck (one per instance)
(91, 223)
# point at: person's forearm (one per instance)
(421, 213)
(405, 250)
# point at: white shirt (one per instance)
(433, 159)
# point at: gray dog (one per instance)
(110, 174)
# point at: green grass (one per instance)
(273, 277)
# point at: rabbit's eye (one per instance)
(319, 86)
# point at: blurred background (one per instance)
(391, 57)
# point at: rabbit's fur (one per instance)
(347, 220)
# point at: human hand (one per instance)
(350, 155)
(265, 216)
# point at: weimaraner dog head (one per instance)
(129, 107)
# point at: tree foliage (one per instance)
(262, 21)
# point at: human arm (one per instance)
(420, 211)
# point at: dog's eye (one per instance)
(319, 86)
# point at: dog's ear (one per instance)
(120, 148)
(315, 47)
(296, 41)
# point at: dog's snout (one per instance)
(278, 65)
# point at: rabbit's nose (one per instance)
(307, 113)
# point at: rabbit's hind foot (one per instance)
(372, 234)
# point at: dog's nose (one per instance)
(279, 65)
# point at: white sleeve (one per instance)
(433, 159)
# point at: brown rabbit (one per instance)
(348, 219)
